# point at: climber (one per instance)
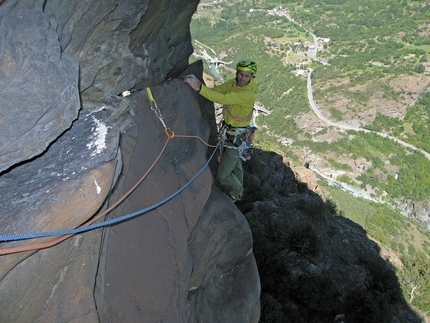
(237, 97)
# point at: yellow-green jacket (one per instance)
(238, 101)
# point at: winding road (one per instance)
(313, 54)
(315, 108)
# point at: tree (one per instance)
(420, 69)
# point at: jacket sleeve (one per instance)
(224, 88)
(245, 97)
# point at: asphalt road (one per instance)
(315, 108)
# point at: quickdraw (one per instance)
(157, 111)
(222, 139)
(240, 138)
(246, 138)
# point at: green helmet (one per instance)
(247, 65)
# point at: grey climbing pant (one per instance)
(230, 172)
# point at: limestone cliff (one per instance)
(71, 147)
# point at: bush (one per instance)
(374, 304)
(304, 240)
(273, 311)
(302, 187)
(331, 207)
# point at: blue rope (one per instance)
(25, 236)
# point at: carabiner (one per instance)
(169, 133)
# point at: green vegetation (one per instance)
(402, 237)
(371, 45)
(412, 167)
(241, 33)
(418, 116)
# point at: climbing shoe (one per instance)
(236, 198)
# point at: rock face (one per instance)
(315, 265)
(39, 95)
(418, 211)
(190, 259)
(72, 147)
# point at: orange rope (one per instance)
(197, 137)
(60, 239)
(239, 119)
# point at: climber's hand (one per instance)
(193, 81)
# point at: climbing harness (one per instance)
(157, 111)
(236, 138)
(246, 139)
(65, 234)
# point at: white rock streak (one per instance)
(98, 188)
(99, 138)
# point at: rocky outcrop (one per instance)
(65, 186)
(39, 95)
(191, 258)
(305, 175)
(419, 211)
(72, 146)
(315, 265)
(57, 55)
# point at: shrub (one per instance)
(302, 187)
(273, 311)
(304, 240)
(374, 304)
(331, 207)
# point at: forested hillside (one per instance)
(371, 71)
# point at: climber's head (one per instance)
(247, 65)
(246, 70)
